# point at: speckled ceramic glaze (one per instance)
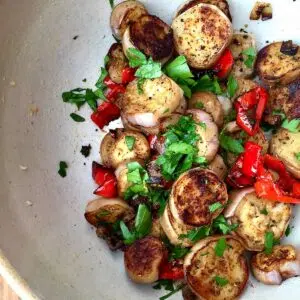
(42, 230)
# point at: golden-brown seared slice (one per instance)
(119, 150)
(281, 264)
(214, 277)
(143, 259)
(207, 130)
(124, 14)
(221, 4)
(241, 42)
(105, 210)
(274, 67)
(160, 98)
(285, 145)
(208, 102)
(192, 194)
(201, 34)
(255, 217)
(150, 35)
(117, 62)
(218, 166)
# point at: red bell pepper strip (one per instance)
(251, 159)
(113, 89)
(105, 113)
(128, 75)
(152, 139)
(224, 64)
(106, 180)
(171, 271)
(256, 98)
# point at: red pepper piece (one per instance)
(108, 189)
(109, 83)
(171, 271)
(112, 93)
(105, 113)
(224, 64)
(251, 159)
(128, 75)
(101, 174)
(152, 139)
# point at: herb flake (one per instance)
(77, 118)
(62, 169)
(130, 141)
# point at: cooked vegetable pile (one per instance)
(207, 165)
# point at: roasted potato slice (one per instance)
(281, 264)
(218, 167)
(208, 143)
(105, 210)
(285, 145)
(150, 35)
(160, 98)
(143, 259)
(119, 150)
(201, 34)
(208, 102)
(204, 269)
(221, 4)
(124, 14)
(241, 42)
(274, 67)
(249, 212)
(192, 194)
(117, 62)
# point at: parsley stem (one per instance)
(172, 293)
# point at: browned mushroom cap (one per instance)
(143, 259)
(204, 269)
(192, 194)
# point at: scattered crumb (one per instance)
(12, 83)
(28, 203)
(33, 109)
(75, 37)
(246, 25)
(23, 168)
(251, 284)
(86, 150)
(84, 80)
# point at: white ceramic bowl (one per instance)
(49, 242)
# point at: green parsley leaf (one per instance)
(178, 252)
(220, 224)
(100, 82)
(292, 126)
(136, 58)
(186, 90)
(220, 247)
(207, 84)
(77, 118)
(150, 70)
(264, 212)
(91, 99)
(297, 155)
(196, 234)
(159, 197)
(63, 169)
(112, 4)
(230, 144)
(269, 242)
(167, 284)
(201, 160)
(250, 54)
(143, 221)
(288, 231)
(215, 206)
(129, 237)
(140, 84)
(130, 141)
(75, 96)
(221, 281)
(232, 86)
(199, 105)
(178, 69)
(106, 60)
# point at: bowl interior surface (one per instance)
(42, 229)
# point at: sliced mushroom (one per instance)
(208, 102)
(193, 193)
(208, 143)
(218, 167)
(218, 277)
(119, 150)
(281, 264)
(255, 217)
(213, 30)
(143, 259)
(160, 98)
(285, 145)
(124, 14)
(150, 35)
(105, 210)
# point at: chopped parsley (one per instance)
(199, 105)
(196, 234)
(220, 247)
(112, 4)
(62, 171)
(77, 118)
(230, 144)
(220, 224)
(250, 54)
(270, 242)
(221, 281)
(215, 206)
(288, 231)
(264, 212)
(130, 141)
(160, 197)
(168, 285)
(207, 84)
(178, 252)
(292, 126)
(297, 155)
(232, 86)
